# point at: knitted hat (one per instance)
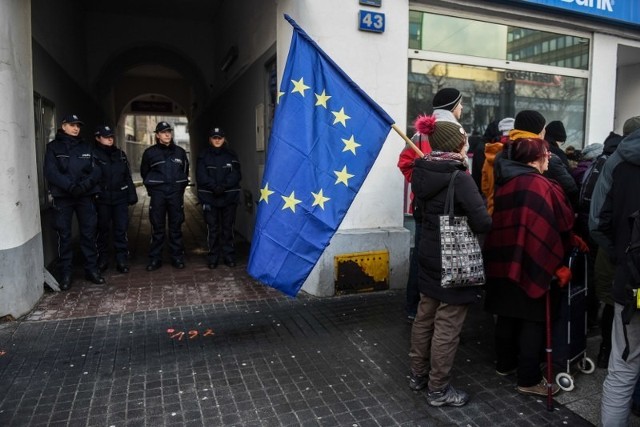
(592, 151)
(555, 131)
(530, 121)
(631, 125)
(505, 125)
(446, 99)
(447, 136)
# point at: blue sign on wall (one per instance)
(626, 11)
(371, 21)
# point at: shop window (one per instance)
(490, 94)
(462, 36)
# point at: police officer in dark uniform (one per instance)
(218, 179)
(73, 178)
(117, 192)
(165, 174)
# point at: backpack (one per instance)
(632, 253)
(589, 182)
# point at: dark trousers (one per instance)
(85, 210)
(161, 208)
(113, 219)
(519, 344)
(220, 220)
(413, 292)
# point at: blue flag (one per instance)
(326, 135)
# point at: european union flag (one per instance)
(326, 135)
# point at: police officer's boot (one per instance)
(95, 277)
(65, 282)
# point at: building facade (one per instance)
(220, 62)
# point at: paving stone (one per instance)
(101, 355)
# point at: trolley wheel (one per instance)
(565, 381)
(586, 365)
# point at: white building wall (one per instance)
(378, 64)
(21, 255)
(601, 101)
(627, 94)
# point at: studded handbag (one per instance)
(461, 255)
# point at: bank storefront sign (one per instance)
(626, 11)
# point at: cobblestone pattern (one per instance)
(277, 362)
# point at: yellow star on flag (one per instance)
(340, 117)
(290, 202)
(322, 98)
(299, 86)
(280, 93)
(319, 199)
(350, 145)
(265, 193)
(343, 176)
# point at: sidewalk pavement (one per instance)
(200, 347)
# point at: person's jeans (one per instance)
(622, 376)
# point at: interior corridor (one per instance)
(166, 287)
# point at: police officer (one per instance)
(165, 174)
(117, 192)
(218, 179)
(69, 167)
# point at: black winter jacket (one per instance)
(218, 176)
(165, 169)
(116, 185)
(69, 162)
(429, 182)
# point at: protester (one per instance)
(614, 230)
(218, 179)
(72, 177)
(523, 252)
(593, 197)
(447, 105)
(117, 193)
(528, 124)
(441, 312)
(556, 135)
(496, 132)
(406, 162)
(165, 173)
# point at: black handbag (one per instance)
(461, 255)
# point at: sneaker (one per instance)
(448, 396)
(417, 382)
(539, 389)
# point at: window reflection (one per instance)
(490, 94)
(448, 34)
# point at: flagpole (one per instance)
(407, 140)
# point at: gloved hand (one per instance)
(579, 243)
(563, 274)
(133, 200)
(218, 190)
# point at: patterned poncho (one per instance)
(530, 234)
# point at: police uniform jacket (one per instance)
(116, 185)
(165, 169)
(218, 176)
(69, 163)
